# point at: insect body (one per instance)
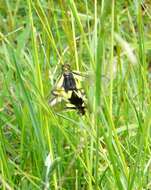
(69, 82)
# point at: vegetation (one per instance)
(109, 147)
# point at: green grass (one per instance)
(109, 147)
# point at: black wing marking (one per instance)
(77, 102)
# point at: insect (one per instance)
(67, 91)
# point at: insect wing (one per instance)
(55, 100)
(59, 102)
(59, 82)
(77, 100)
(60, 96)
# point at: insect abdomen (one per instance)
(69, 82)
